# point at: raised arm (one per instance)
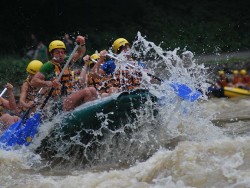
(81, 50)
(11, 103)
(96, 72)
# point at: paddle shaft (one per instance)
(5, 89)
(60, 75)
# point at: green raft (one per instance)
(94, 119)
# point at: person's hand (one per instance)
(103, 54)
(31, 104)
(86, 58)
(9, 86)
(53, 83)
(80, 40)
(16, 118)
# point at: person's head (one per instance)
(34, 66)
(66, 36)
(221, 73)
(243, 72)
(57, 50)
(235, 72)
(120, 44)
(93, 59)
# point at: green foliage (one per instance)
(199, 26)
(12, 70)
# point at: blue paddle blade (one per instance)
(8, 134)
(25, 135)
(20, 133)
(185, 92)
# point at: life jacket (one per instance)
(31, 93)
(100, 84)
(245, 79)
(236, 80)
(66, 81)
(223, 81)
(128, 79)
(124, 80)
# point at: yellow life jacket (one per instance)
(66, 81)
(100, 84)
(124, 80)
(127, 79)
(31, 93)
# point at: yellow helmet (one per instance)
(94, 57)
(56, 44)
(243, 72)
(34, 66)
(118, 43)
(221, 72)
(235, 72)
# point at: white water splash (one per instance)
(179, 147)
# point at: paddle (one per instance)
(5, 89)
(23, 134)
(12, 134)
(23, 127)
(181, 90)
(12, 128)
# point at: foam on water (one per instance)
(219, 163)
(180, 147)
(177, 119)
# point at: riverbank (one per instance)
(226, 61)
(223, 56)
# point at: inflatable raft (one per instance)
(229, 92)
(236, 92)
(91, 120)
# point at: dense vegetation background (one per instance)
(200, 26)
(204, 27)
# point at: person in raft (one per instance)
(6, 106)
(117, 76)
(28, 93)
(65, 98)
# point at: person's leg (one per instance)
(79, 97)
(104, 95)
(93, 94)
(113, 90)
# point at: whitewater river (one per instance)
(198, 153)
(204, 143)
